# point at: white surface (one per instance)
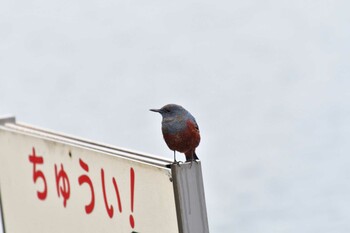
(153, 208)
(268, 83)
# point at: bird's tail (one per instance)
(191, 156)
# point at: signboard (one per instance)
(57, 187)
(51, 182)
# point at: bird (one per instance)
(180, 130)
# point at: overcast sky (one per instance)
(268, 82)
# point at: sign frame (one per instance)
(188, 188)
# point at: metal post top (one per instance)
(7, 119)
(189, 197)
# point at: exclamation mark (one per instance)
(132, 188)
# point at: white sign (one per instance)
(48, 185)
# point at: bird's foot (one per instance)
(194, 160)
(177, 162)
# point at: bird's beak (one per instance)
(155, 110)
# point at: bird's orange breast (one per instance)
(184, 140)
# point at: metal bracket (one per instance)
(7, 119)
(189, 198)
(2, 221)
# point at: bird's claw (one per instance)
(177, 162)
(195, 160)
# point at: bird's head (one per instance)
(170, 110)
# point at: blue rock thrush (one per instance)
(180, 130)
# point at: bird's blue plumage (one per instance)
(175, 118)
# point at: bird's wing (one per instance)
(196, 125)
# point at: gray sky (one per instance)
(268, 82)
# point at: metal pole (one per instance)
(189, 198)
